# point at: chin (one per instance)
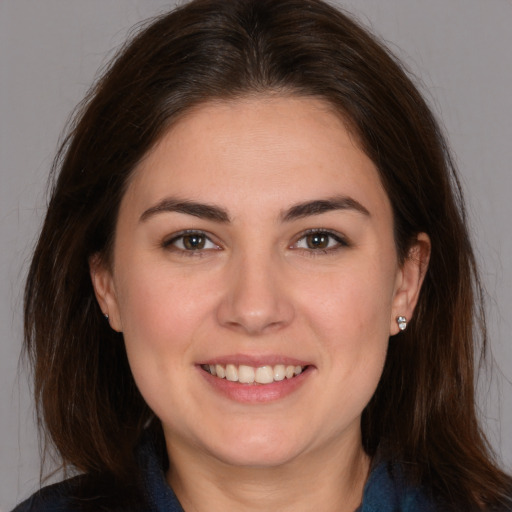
(257, 459)
(258, 450)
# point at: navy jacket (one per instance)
(385, 491)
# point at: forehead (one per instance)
(260, 150)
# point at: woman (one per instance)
(254, 288)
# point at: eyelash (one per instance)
(340, 242)
(170, 244)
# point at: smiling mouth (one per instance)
(253, 375)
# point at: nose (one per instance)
(256, 298)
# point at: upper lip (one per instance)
(255, 361)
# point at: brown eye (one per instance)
(190, 242)
(194, 242)
(320, 240)
(317, 241)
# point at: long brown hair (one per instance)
(423, 412)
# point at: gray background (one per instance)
(50, 51)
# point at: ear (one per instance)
(103, 284)
(409, 280)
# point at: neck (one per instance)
(330, 480)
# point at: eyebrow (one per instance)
(319, 206)
(201, 210)
(218, 214)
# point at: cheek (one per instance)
(349, 313)
(160, 322)
(160, 318)
(351, 303)
(156, 303)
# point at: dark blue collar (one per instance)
(160, 497)
(386, 490)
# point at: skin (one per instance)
(260, 289)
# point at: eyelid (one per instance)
(341, 240)
(168, 242)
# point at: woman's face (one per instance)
(255, 240)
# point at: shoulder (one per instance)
(84, 493)
(386, 490)
(389, 490)
(146, 491)
(54, 498)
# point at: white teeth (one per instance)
(246, 374)
(279, 372)
(220, 370)
(264, 375)
(250, 375)
(231, 373)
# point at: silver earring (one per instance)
(106, 316)
(402, 322)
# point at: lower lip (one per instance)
(256, 393)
